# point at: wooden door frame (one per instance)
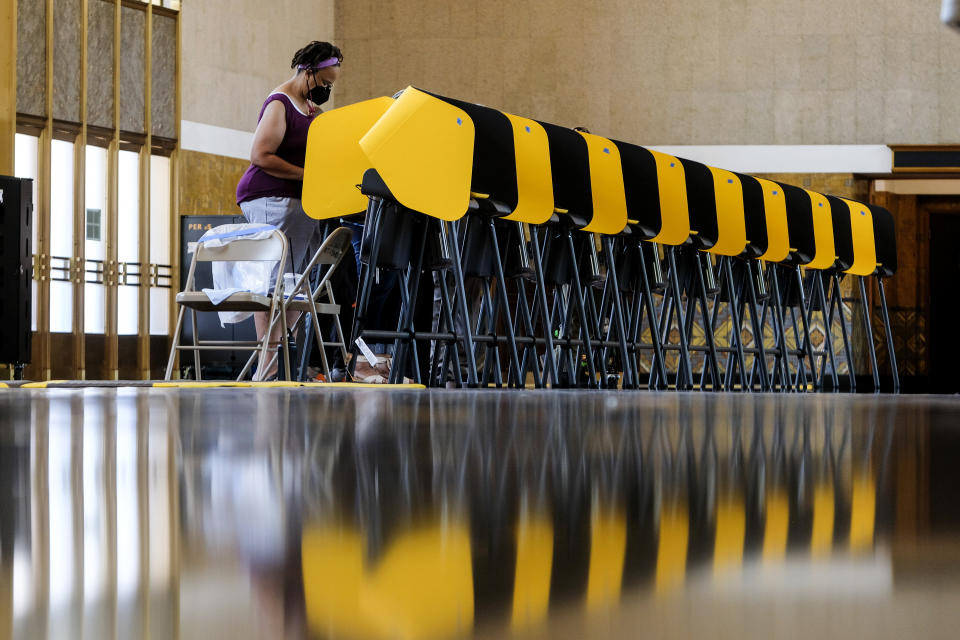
(912, 218)
(928, 206)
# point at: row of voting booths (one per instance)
(558, 258)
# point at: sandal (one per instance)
(375, 374)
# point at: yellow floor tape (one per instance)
(283, 384)
(213, 384)
(175, 384)
(81, 384)
(40, 385)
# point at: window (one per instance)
(61, 236)
(95, 249)
(128, 243)
(160, 244)
(103, 265)
(26, 165)
(169, 4)
(93, 224)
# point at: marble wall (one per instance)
(66, 55)
(659, 72)
(67, 104)
(236, 51)
(31, 57)
(163, 94)
(8, 108)
(132, 52)
(100, 64)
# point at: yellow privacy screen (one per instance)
(335, 163)
(534, 179)
(674, 214)
(822, 232)
(775, 211)
(422, 147)
(864, 247)
(606, 186)
(731, 219)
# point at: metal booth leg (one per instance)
(707, 321)
(780, 326)
(889, 331)
(818, 290)
(528, 362)
(409, 291)
(868, 326)
(505, 302)
(541, 294)
(737, 321)
(581, 307)
(367, 273)
(806, 329)
(756, 321)
(461, 294)
(684, 351)
(836, 300)
(617, 311)
(658, 363)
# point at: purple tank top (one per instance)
(257, 183)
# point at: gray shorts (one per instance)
(303, 232)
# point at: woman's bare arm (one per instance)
(266, 141)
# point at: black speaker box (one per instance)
(16, 268)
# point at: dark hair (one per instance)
(315, 52)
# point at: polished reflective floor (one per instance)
(295, 513)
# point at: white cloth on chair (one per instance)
(231, 277)
(219, 295)
(226, 233)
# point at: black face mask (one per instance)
(319, 94)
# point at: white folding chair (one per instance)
(234, 243)
(318, 300)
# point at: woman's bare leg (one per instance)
(261, 320)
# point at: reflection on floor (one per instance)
(377, 513)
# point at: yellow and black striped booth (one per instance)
(601, 263)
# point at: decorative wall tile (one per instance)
(31, 57)
(164, 84)
(100, 64)
(66, 60)
(725, 336)
(132, 87)
(909, 342)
